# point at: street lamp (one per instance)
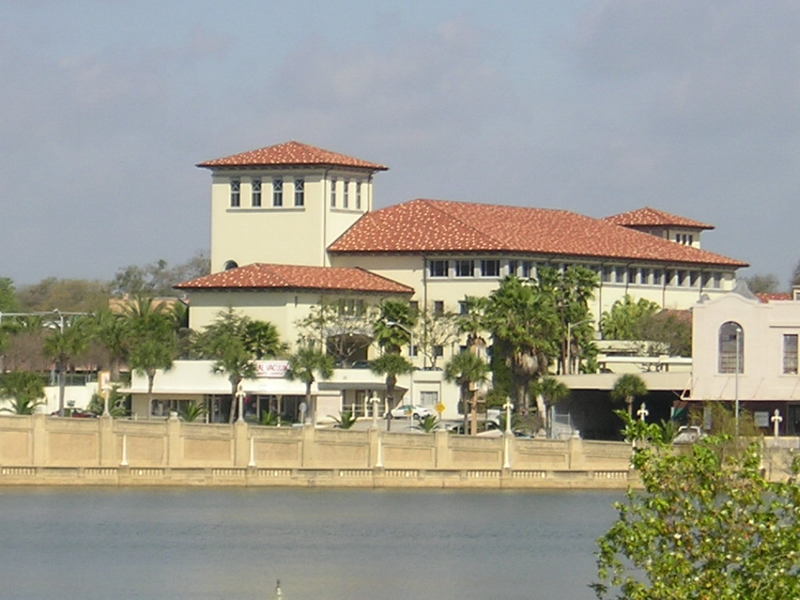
(736, 379)
(568, 361)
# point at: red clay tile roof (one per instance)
(270, 276)
(438, 226)
(765, 297)
(291, 153)
(650, 217)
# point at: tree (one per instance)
(468, 370)
(523, 320)
(671, 329)
(763, 284)
(472, 323)
(627, 388)
(345, 336)
(67, 339)
(157, 278)
(705, 525)
(111, 331)
(68, 295)
(8, 296)
(394, 322)
(305, 364)
(234, 342)
(153, 343)
(548, 391)
(24, 390)
(796, 275)
(627, 318)
(571, 291)
(391, 364)
(434, 332)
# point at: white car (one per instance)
(411, 410)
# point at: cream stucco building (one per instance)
(293, 225)
(745, 348)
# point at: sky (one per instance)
(593, 106)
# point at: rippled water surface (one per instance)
(323, 544)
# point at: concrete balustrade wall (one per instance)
(49, 450)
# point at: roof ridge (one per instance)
(461, 221)
(474, 229)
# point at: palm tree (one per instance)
(391, 365)
(67, 339)
(548, 391)
(235, 342)
(468, 370)
(523, 319)
(628, 387)
(110, 329)
(24, 390)
(153, 343)
(471, 322)
(394, 324)
(303, 365)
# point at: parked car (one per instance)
(688, 434)
(411, 410)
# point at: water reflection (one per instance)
(322, 544)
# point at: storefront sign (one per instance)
(272, 369)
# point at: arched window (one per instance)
(230, 264)
(731, 348)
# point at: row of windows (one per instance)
(608, 274)
(686, 239)
(731, 350)
(352, 192)
(257, 188)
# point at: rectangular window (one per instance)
(513, 267)
(429, 399)
(670, 277)
(359, 185)
(658, 276)
(438, 351)
(255, 199)
(299, 192)
(790, 354)
(351, 307)
(527, 269)
(437, 268)
(632, 276)
(607, 274)
(695, 279)
(333, 193)
(277, 192)
(463, 309)
(717, 280)
(465, 268)
(646, 276)
(490, 268)
(346, 194)
(438, 307)
(413, 350)
(236, 187)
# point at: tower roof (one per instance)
(294, 154)
(651, 217)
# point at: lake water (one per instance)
(327, 544)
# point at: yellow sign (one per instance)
(440, 408)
